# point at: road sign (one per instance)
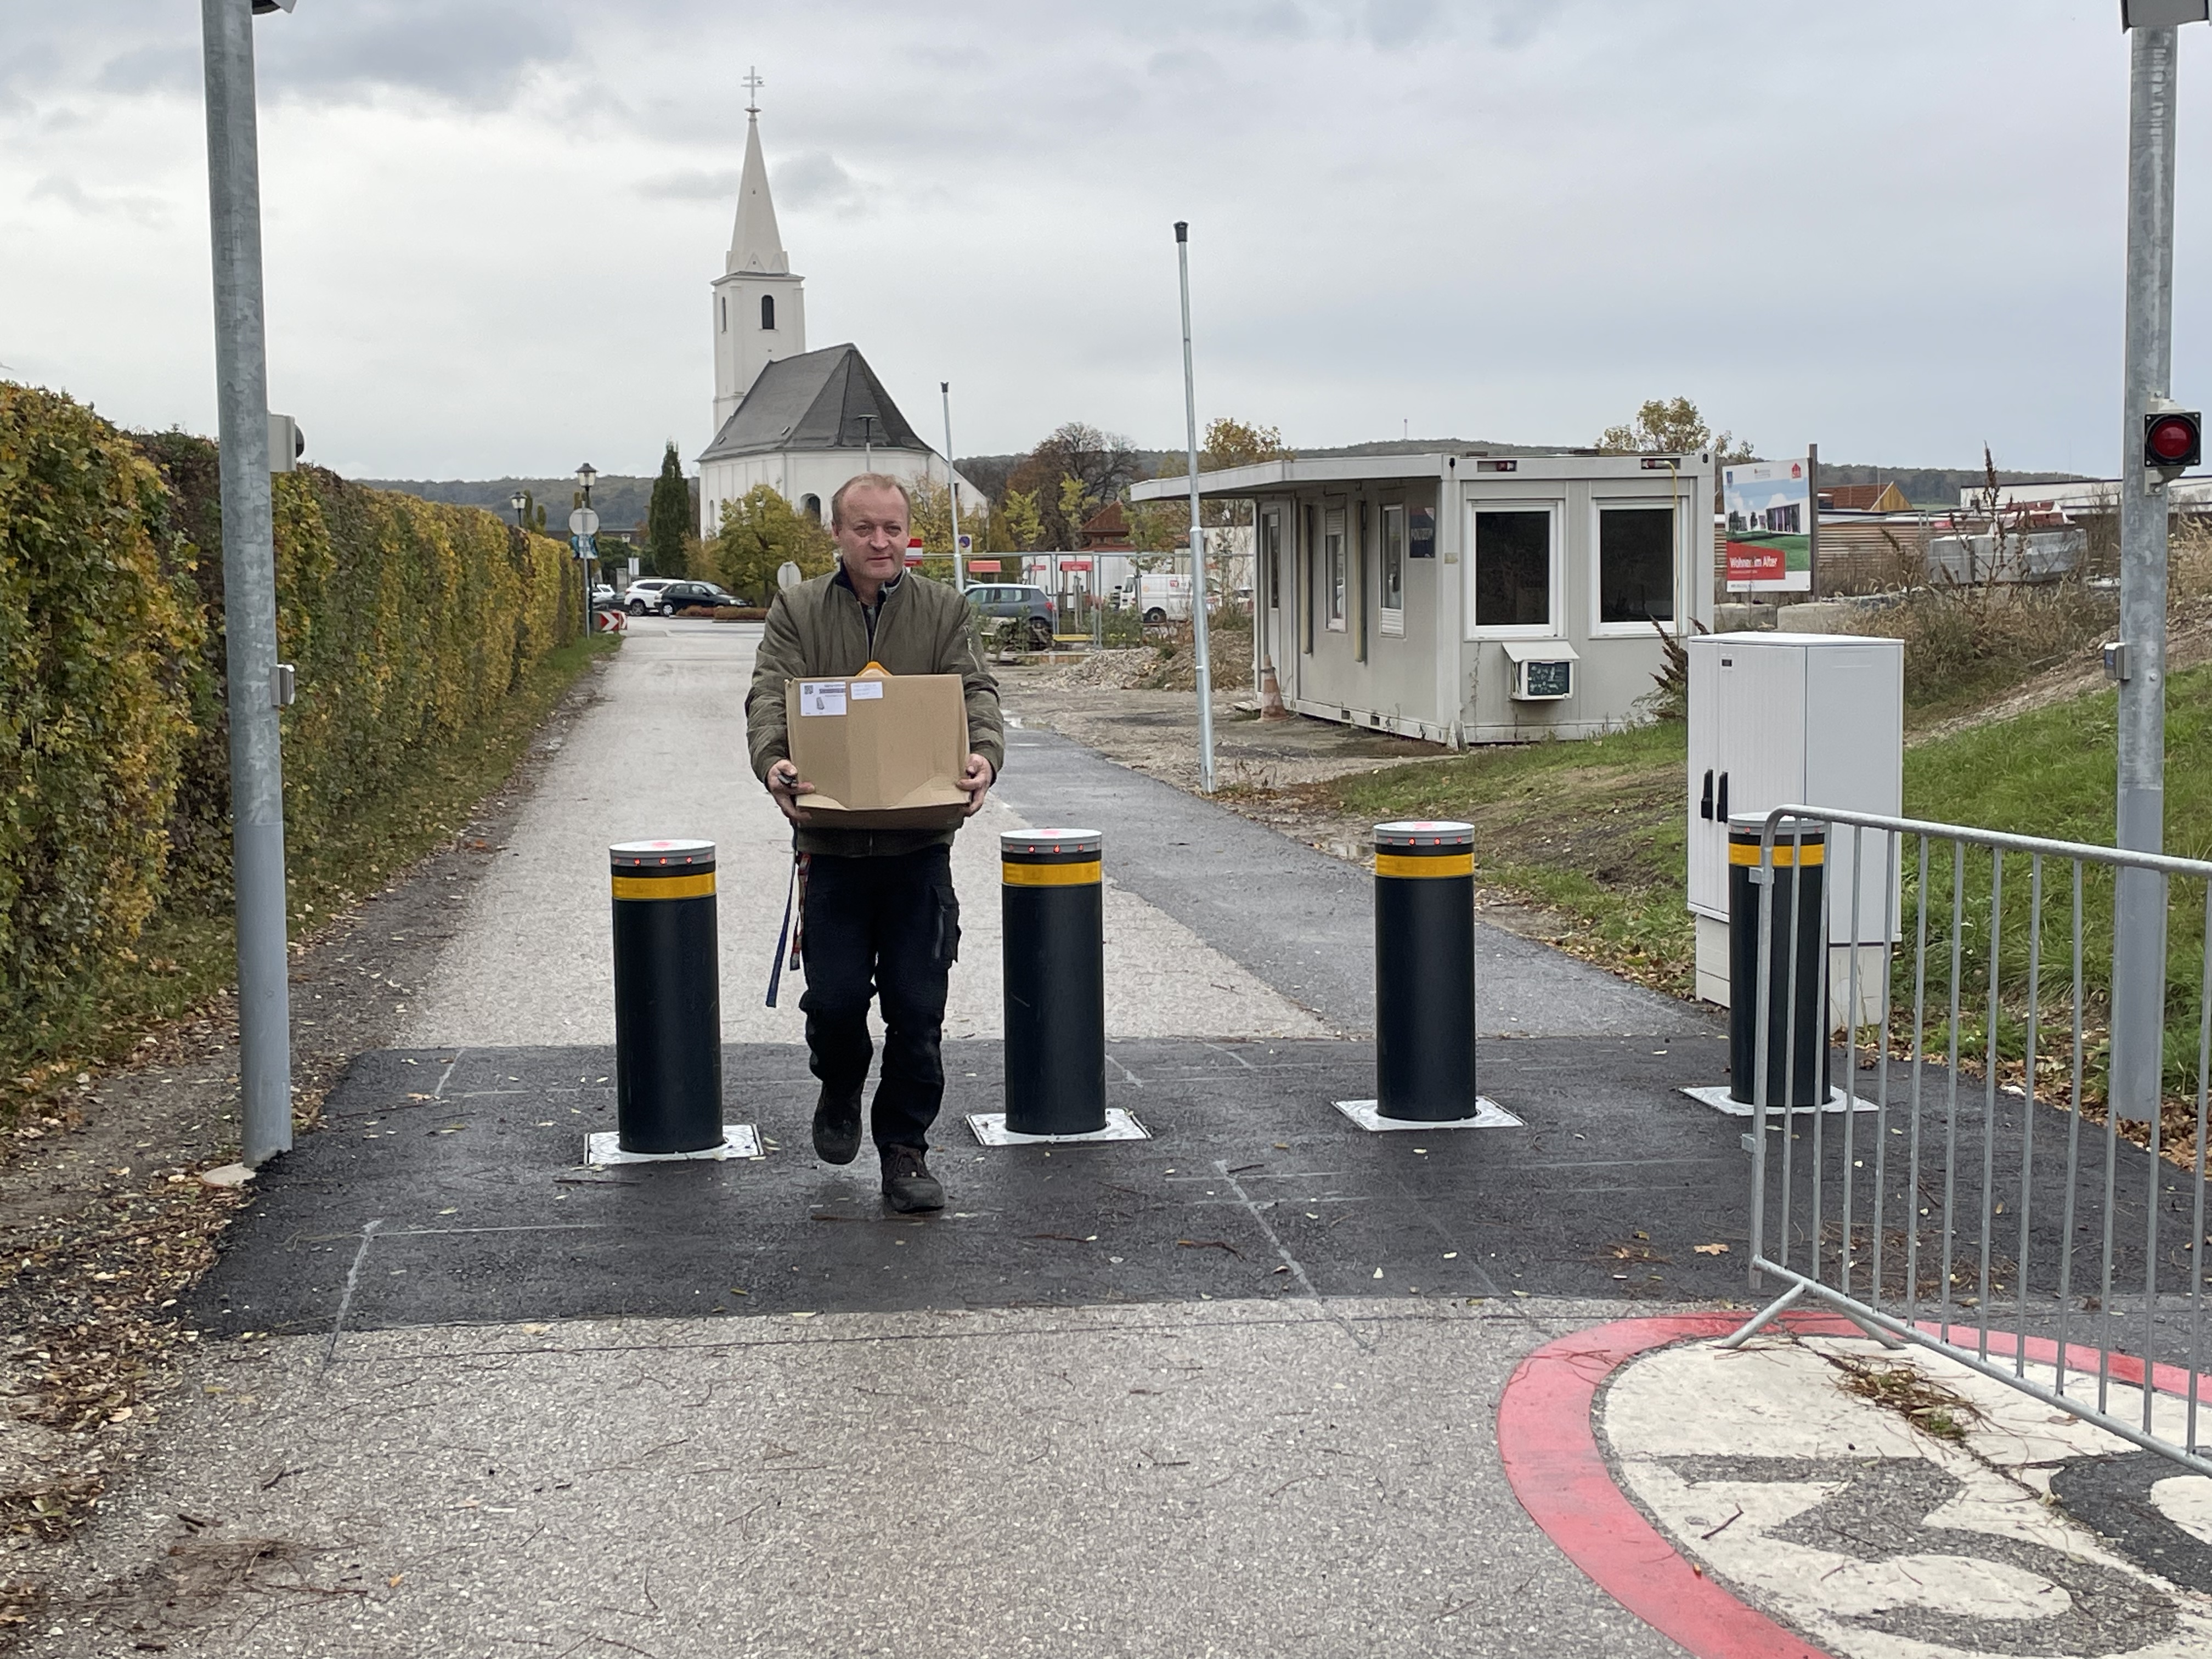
(610, 622)
(967, 545)
(788, 576)
(583, 522)
(584, 547)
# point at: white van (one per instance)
(1163, 597)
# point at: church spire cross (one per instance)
(753, 83)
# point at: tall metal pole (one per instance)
(952, 488)
(1198, 639)
(249, 583)
(2139, 919)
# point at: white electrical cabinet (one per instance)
(1814, 718)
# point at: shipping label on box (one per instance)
(882, 752)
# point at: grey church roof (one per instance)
(825, 399)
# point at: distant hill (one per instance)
(620, 501)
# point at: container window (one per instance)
(1513, 569)
(1393, 568)
(1635, 564)
(1336, 580)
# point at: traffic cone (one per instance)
(1271, 695)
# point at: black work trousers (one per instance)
(889, 926)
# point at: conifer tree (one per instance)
(668, 517)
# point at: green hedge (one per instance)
(410, 621)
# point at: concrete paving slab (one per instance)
(1181, 1482)
(1301, 920)
(663, 753)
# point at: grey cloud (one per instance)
(151, 69)
(1395, 23)
(695, 184)
(473, 52)
(814, 179)
(143, 209)
(1190, 64)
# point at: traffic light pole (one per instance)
(2139, 919)
(249, 585)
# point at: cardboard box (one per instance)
(884, 751)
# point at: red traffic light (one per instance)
(2173, 441)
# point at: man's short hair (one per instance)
(868, 481)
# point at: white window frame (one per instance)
(1555, 508)
(1390, 620)
(1599, 505)
(1336, 569)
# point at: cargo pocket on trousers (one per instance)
(948, 928)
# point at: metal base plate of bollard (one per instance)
(990, 1130)
(1721, 1098)
(739, 1140)
(1488, 1114)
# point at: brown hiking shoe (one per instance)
(907, 1184)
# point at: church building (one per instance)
(801, 422)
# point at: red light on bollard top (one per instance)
(2173, 441)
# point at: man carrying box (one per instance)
(879, 912)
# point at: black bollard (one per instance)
(1424, 971)
(668, 998)
(1052, 908)
(1796, 1068)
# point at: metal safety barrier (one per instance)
(1958, 1191)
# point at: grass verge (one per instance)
(186, 954)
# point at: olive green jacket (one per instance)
(818, 630)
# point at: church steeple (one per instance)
(755, 242)
(760, 307)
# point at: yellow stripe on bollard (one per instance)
(1785, 853)
(665, 887)
(1051, 875)
(1419, 864)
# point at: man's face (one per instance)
(872, 535)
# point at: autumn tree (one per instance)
(1101, 464)
(1024, 522)
(668, 537)
(760, 533)
(1671, 426)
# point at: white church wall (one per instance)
(801, 475)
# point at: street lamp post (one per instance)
(520, 503)
(584, 475)
(249, 584)
(1199, 645)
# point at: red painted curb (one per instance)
(1553, 1461)
(1549, 1447)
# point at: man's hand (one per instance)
(976, 781)
(786, 787)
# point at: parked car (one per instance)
(603, 595)
(644, 593)
(683, 596)
(1019, 600)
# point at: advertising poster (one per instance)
(1770, 526)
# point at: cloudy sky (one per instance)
(1890, 227)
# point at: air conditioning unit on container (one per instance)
(1543, 670)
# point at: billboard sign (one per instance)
(1770, 526)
